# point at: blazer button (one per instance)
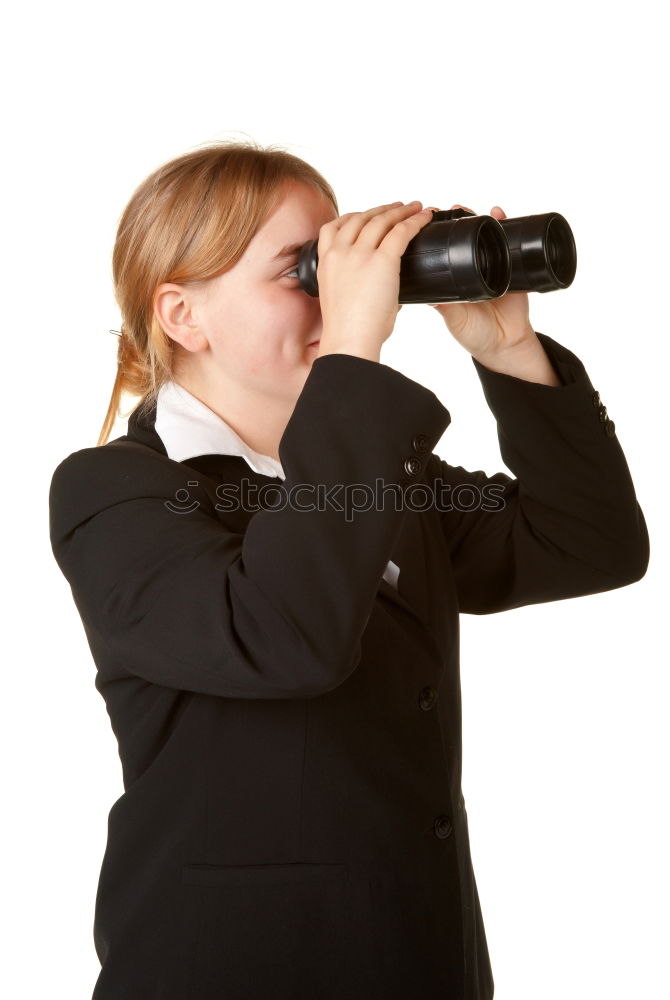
(602, 413)
(442, 827)
(412, 466)
(595, 398)
(427, 698)
(420, 444)
(609, 428)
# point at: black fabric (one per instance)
(288, 722)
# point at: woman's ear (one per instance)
(174, 308)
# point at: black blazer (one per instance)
(288, 722)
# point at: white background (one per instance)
(533, 107)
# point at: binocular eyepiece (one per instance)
(462, 257)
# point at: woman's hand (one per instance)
(359, 276)
(486, 328)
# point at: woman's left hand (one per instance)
(485, 328)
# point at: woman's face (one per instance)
(258, 323)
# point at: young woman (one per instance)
(270, 565)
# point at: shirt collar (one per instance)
(188, 428)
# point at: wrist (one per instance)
(525, 359)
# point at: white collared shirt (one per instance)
(188, 428)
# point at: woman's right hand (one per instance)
(359, 276)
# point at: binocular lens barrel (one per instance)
(543, 252)
(469, 261)
(493, 260)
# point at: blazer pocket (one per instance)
(248, 875)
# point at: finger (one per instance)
(373, 231)
(369, 211)
(330, 230)
(406, 229)
(465, 207)
(394, 206)
(497, 212)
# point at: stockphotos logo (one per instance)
(346, 498)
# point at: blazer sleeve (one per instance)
(277, 611)
(569, 523)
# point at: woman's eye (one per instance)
(292, 273)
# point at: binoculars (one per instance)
(462, 257)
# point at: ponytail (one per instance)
(131, 376)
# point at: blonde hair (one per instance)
(188, 221)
